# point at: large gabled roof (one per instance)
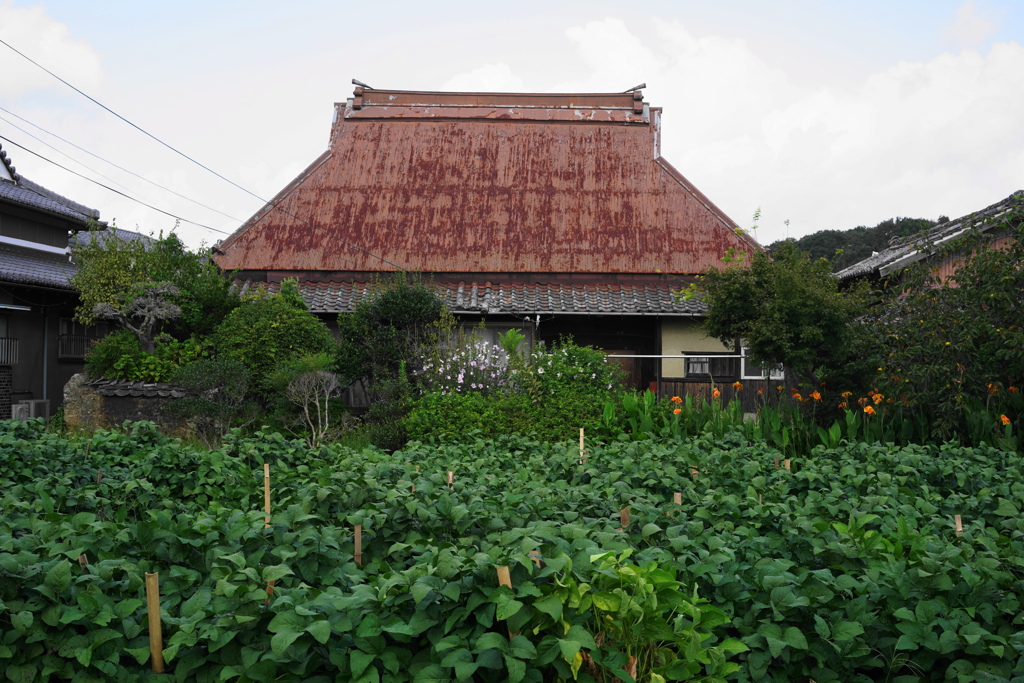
(907, 250)
(488, 183)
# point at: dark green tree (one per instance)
(151, 285)
(267, 330)
(387, 330)
(957, 343)
(788, 309)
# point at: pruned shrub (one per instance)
(267, 330)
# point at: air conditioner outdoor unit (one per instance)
(19, 411)
(38, 408)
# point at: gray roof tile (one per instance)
(519, 299)
(28, 266)
(904, 251)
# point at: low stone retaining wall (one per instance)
(94, 403)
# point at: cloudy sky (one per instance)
(825, 115)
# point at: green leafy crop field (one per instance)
(846, 567)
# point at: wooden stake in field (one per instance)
(677, 498)
(624, 518)
(266, 495)
(785, 463)
(451, 479)
(536, 557)
(583, 453)
(693, 471)
(959, 525)
(504, 578)
(359, 545)
(266, 518)
(776, 462)
(156, 639)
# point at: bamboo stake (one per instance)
(677, 498)
(504, 579)
(359, 545)
(785, 463)
(99, 477)
(266, 518)
(693, 471)
(266, 494)
(451, 479)
(535, 556)
(583, 453)
(759, 499)
(959, 525)
(624, 518)
(776, 462)
(156, 646)
(83, 561)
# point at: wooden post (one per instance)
(759, 499)
(624, 518)
(693, 471)
(451, 479)
(504, 579)
(677, 498)
(359, 545)
(156, 640)
(266, 518)
(83, 561)
(959, 525)
(535, 556)
(776, 462)
(785, 463)
(583, 453)
(99, 477)
(266, 494)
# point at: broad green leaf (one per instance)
(550, 605)
(275, 572)
(847, 630)
(282, 641)
(320, 630)
(59, 577)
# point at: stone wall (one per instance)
(94, 403)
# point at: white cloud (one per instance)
(971, 27)
(918, 138)
(487, 78)
(48, 42)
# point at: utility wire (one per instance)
(66, 156)
(107, 187)
(96, 156)
(200, 165)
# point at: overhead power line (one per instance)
(106, 161)
(107, 187)
(197, 163)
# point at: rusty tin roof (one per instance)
(488, 183)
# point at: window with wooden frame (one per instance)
(716, 367)
(751, 370)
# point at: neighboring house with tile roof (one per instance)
(552, 213)
(41, 346)
(932, 246)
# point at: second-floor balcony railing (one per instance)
(8, 351)
(73, 346)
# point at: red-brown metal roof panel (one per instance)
(478, 194)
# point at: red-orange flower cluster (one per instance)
(869, 410)
(738, 386)
(815, 395)
(715, 393)
(1005, 420)
(676, 400)
(677, 411)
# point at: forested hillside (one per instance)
(858, 243)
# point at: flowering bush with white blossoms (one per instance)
(464, 366)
